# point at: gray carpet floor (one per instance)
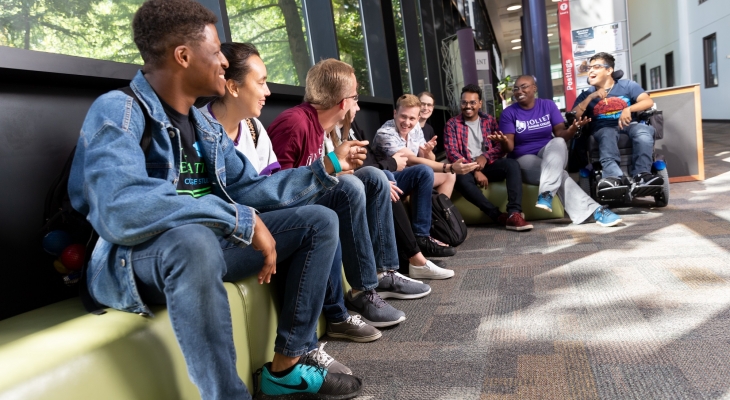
(638, 311)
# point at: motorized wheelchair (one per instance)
(590, 173)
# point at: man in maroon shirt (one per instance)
(370, 260)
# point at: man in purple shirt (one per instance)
(534, 132)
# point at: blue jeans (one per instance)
(334, 309)
(417, 181)
(642, 138)
(185, 268)
(362, 203)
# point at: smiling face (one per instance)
(470, 105)
(251, 94)
(524, 90)
(598, 73)
(426, 107)
(406, 118)
(205, 73)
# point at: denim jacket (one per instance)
(129, 197)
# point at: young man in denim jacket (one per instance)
(172, 222)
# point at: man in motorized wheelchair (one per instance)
(610, 102)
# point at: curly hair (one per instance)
(159, 25)
(472, 88)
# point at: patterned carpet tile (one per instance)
(637, 311)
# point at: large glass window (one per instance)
(710, 50)
(277, 29)
(400, 36)
(656, 77)
(350, 40)
(100, 29)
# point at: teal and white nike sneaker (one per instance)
(307, 382)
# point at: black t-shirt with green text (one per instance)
(194, 179)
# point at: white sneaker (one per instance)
(398, 274)
(429, 271)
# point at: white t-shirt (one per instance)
(261, 156)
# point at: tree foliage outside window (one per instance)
(277, 29)
(350, 40)
(401, 40)
(100, 29)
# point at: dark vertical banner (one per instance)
(566, 53)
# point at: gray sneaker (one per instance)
(319, 358)
(353, 329)
(397, 286)
(373, 309)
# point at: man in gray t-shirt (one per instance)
(475, 138)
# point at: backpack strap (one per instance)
(146, 140)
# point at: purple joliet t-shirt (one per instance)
(532, 128)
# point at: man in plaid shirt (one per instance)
(475, 135)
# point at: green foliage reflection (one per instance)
(100, 29)
(350, 40)
(276, 28)
(401, 40)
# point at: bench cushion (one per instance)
(62, 352)
(496, 192)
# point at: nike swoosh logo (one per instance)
(301, 386)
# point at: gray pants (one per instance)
(547, 169)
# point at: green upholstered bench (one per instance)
(496, 192)
(61, 352)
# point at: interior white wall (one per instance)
(513, 65)
(664, 19)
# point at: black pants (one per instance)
(502, 169)
(404, 237)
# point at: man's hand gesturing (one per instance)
(351, 154)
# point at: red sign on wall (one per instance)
(566, 53)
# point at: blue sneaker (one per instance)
(606, 217)
(307, 382)
(545, 201)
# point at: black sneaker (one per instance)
(613, 188)
(430, 247)
(646, 179)
(647, 184)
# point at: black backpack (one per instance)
(66, 232)
(447, 224)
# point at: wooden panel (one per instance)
(682, 145)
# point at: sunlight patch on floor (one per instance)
(623, 295)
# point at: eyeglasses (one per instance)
(426, 105)
(354, 98)
(598, 66)
(521, 88)
(469, 103)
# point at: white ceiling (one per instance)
(507, 26)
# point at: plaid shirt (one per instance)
(456, 139)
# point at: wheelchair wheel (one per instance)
(662, 199)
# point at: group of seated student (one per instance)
(215, 198)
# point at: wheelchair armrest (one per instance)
(645, 115)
